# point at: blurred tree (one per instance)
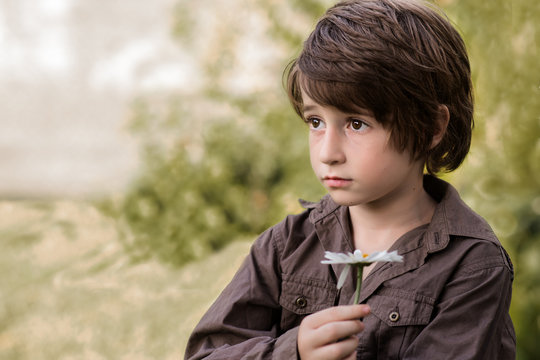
(228, 158)
(501, 178)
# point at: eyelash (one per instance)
(362, 123)
(312, 119)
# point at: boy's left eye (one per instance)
(357, 124)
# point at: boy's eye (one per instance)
(314, 123)
(358, 124)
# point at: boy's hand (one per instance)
(330, 333)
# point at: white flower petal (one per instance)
(358, 254)
(343, 276)
(337, 258)
(376, 256)
(330, 255)
(358, 257)
(393, 256)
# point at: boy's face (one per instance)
(353, 157)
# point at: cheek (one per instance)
(396, 165)
(312, 153)
(313, 159)
(313, 148)
(379, 161)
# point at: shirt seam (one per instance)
(274, 240)
(484, 264)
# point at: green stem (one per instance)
(359, 272)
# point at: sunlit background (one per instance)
(69, 70)
(145, 144)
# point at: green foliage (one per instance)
(246, 179)
(502, 176)
(222, 163)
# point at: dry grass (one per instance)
(68, 291)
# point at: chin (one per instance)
(344, 199)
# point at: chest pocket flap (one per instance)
(305, 296)
(397, 307)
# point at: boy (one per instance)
(385, 88)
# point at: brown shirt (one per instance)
(449, 299)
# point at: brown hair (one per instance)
(401, 59)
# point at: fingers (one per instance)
(338, 313)
(345, 349)
(331, 333)
(352, 356)
(342, 350)
(337, 330)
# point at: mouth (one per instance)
(335, 181)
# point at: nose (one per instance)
(331, 150)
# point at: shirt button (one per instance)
(301, 302)
(394, 316)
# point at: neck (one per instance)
(377, 225)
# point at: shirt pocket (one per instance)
(401, 315)
(302, 296)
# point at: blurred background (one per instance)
(144, 145)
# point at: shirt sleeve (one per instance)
(243, 323)
(471, 319)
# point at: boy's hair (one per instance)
(401, 59)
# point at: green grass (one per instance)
(69, 291)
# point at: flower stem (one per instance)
(359, 272)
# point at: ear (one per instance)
(443, 117)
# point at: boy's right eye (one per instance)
(314, 123)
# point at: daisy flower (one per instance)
(358, 260)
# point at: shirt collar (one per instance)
(321, 209)
(451, 217)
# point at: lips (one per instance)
(336, 181)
